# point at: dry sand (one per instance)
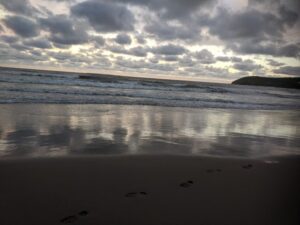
(150, 190)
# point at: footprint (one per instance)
(73, 218)
(248, 166)
(136, 194)
(69, 219)
(83, 213)
(187, 184)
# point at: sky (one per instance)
(210, 40)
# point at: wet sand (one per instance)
(136, 165)
(150, 190)
(37, 130)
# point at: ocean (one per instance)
(23, 86)
(52, 114)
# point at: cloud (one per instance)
(140, 39)
(9, 38)
(247, 24)
(135, 51)
(208, 71)
(143, 65)
(289, 70)
(38, 43)
(22, 26)
(275, 4)
(250, 47)
(165, 31)
(123, 39)
(169, 49)
(247, 65)
(64, 30)
(170, 58)
(154, 35)
(205, 57)
(19, 6)
(236, 59)
(98, 40)
(139, 51)
(105, 16)
(252, 31)
(186, 61)
(274, 63)
(223, 58)
(171, 9)
(19, 47)
(290, 50)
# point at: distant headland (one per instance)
(271, 82)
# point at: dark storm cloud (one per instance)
(288, 16)
(289, 70)
(99, 40)
(247, 24)
(140, 39)
(64, 30)
(9, 38)
(22, 26)
(105, 16)
(18, 6)
(253, 47)
(223, 58)
(186, 61)
(123, 39)
(291, 50)
(247, 65)
(19, 46)
(254, 31)
(170, 32)
(267, 4)
(170, 58)
(138, 51)
(38, 43)
(274, 63)
(205, 57)
(169, 49)
(171, 9)
(236, 59)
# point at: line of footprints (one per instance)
(186, 184)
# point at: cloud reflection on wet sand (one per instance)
(54, 130)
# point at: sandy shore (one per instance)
(152, 190)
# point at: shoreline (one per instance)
(154, 105)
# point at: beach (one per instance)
(133, 152)
(171, 112)
(118, 164)
(53, 130)
(150, 190)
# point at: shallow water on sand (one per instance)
(58, 130)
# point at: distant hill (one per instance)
(271, 82)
